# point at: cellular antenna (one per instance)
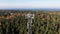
(29, 23)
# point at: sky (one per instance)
(29, 3)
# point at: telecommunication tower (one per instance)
(29, 23)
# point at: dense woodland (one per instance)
(14, 22)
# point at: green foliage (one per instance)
(42, 24)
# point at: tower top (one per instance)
(29, 16)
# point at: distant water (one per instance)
(30, 9)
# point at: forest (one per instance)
(14, 22)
